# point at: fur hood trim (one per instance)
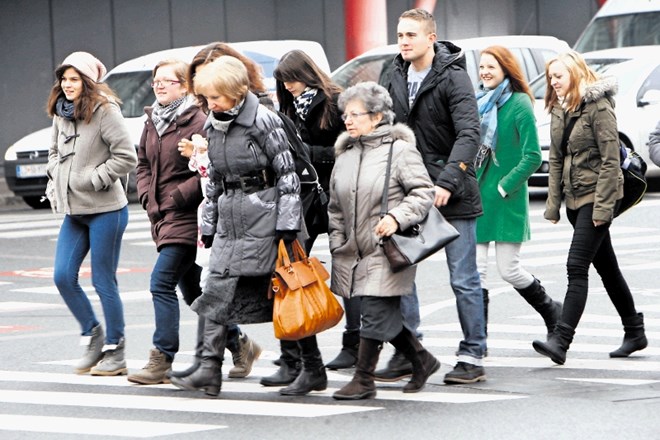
(394, 132)
(605, 87)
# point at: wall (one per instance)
(37, 34)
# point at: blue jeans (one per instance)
(175, 266)
(465, 282)
(101, 234)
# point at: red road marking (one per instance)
(47, 272)
(15, 328)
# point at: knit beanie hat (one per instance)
(87, 64)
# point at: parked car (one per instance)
(25, 160)
(532, 51)
(622, 23)
(637, 70)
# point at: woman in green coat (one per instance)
(508, 155)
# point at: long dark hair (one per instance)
(296, 65)
(92, 94)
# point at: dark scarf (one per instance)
(64, 108)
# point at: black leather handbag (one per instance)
(407, 248)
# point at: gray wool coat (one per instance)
(86, 160)
(359, 266)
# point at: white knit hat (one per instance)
(87, 64)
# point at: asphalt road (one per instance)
(525, 396)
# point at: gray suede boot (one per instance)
(113, 362)
(93, 350)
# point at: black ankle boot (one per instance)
(208, 377)
(557, 344)
(362, 385)
(289, 366)
(313, 376)
(550, 310)
(634, 337)
(348, 355)
(198, 352)
(424, 364)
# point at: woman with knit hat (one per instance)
(90, 150)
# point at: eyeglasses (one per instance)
(164, 82)
(346, 116)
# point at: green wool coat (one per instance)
(518, 154)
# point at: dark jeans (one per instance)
(589, 245)
(175, 266)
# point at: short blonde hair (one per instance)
(226, 76)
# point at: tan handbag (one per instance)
(303, 303)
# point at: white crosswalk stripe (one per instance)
(509, 345)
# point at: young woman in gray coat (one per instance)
(90, 150)
(253, 201)
(359, 266)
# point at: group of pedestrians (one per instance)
(218, 181)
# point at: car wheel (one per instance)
(36, 203)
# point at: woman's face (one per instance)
(490, 71)
(295, 87)
(358, 120)
(219, 103)
(167, 86)
(72, 84)
(560, 78)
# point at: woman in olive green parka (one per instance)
(508, 155)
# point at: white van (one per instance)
(26, 159)
(622, 23)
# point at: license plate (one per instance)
(28, 171)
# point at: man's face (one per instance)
(414, 41)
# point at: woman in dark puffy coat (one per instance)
(170, 193)
(252, 202)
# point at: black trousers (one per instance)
(592, 245)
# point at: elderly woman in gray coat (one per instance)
(359, 266)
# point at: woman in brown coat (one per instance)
(359, 266)
(170, 193)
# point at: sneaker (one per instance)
(248, 352)
(465, 373)
(155, 371)
(398, 368)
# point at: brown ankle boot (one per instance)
(424, 363)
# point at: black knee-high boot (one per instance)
(208, 377)
(199, 346)
(313, 376)
(549, 309)
(424, 363)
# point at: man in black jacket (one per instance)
(433, 94)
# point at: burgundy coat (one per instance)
(168, 190)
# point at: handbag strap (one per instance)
(567, 132)
(386, 186)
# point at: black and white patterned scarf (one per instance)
(162, 116)
(303, 101)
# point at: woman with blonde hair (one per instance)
(585, 170)
(252, 202)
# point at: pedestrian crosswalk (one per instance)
(47, 399)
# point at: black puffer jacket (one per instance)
(445, 121)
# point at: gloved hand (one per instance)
(287, 236)
(207, 240)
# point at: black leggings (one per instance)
(589, 245)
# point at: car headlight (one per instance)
(10, 154)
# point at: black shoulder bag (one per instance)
(407, 248)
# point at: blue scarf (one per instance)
(489, 101)
(64, 108)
